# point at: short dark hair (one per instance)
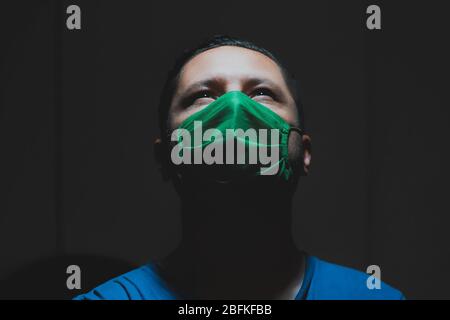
(215, 42)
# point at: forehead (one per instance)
(230, 63)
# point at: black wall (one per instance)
(78, 118)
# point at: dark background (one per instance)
(79, 184)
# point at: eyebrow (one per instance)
(256, 81)
(205, 83)
(214, 82)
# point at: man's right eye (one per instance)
(202, 97)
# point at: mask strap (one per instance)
(301, 132)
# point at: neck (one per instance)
(236, 244)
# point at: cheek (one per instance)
(288, 112)
(176, 117)
(292, 116)
(295, 148)
(295, 139)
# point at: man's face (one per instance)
(217, 71)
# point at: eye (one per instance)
(202, 97)
(262, 93)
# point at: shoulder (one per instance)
(332, 281)
(137, 284)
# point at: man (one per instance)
(236, 186)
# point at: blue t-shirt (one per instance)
(322, 281)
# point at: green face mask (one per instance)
(232, 139)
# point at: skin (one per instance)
(235, 246)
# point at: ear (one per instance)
(306, 141)
(160, 153)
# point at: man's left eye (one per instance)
(263, 93)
